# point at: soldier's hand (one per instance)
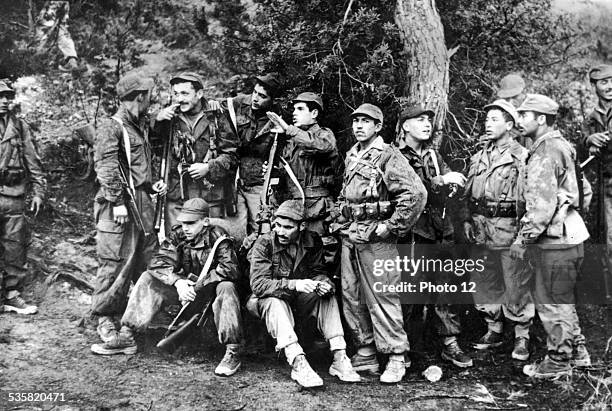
(468, 231)
(214, 105)
(185, 290)
(277, 120)
(324, 288)
(167, 113)
(305, 286)
(598, 140)
(160, 188)
(198, 171)
(37, 205)
(120, 214)
(454, 177)
(517, 251)
(382, 231)
(594, 151)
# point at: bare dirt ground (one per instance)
(49, 352)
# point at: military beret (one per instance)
(369, 110)
(292, 209)
(271, 81)
(187, 76)
(510, 86)
(309, 97)
(6, 89)
(600, 72)
(193, 210)
(505, 106)
(415, 111)
(133, 82)
(540, 104)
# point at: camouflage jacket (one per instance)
(430, 224)
(177, 257)
(254, 137)
(20, 164)
(598, 121)
(551, 195)
(192, 143)
(376, 174)
(274, 270)
(110, 152)
(493, 182)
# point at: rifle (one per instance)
(263, 217)
(194, 312)
(164, 173)
(130, 201)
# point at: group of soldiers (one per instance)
(518, 208)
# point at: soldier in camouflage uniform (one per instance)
(490, 221)
(203, 149)
(52, 27)
(432, 234)
(20, 166)
(185, 252)
(381, 199)
(123, 249)
(554, 232)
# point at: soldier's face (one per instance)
(260, 99)
(144, 101)
(287, 230)
(528, 123)
(517, 100)
(365, 128)
(5, 101)
(187, 96)
(193, 228)
(603, 88)
(418, 128)
(302, 116)
(495, 125)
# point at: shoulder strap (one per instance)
(232, 113)
(209, 260)
(128, 151)
(435, 161)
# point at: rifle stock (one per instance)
(164, 174)
(130, 202)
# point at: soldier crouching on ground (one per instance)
(287, 276)
(124, 249)
(19, 166)
(381, 199)
(165, 282)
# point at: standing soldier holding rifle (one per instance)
(123, 208)
(200, 150)
(596, 138)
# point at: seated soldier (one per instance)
(287, 276)
(185, 252)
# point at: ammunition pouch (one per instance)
(12, 177)
(504, 209)
(378, 210)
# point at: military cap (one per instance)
(600, 72)
(369, 110)
(415, 111)
(505, 106)
(187, 76)
(292, 209)
(133, 82)
(540, 104)
(510, 86)
(6, 89)
(193, 210)
(271, 82)
(309, 97)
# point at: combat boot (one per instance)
(106, 329)
(230, 362)
(19, 306)
(342, 368)
(490, 340)
(548, 369)
(122, 343)
(394, 372)
(581, 356)
(365, 362)
(453, 353)
(521, 349)
(303, 374)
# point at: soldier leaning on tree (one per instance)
(20, 165)
(432, 234)
(381, 199)
(490, 220)
(203, 156)
(554, 232)
(124, 249)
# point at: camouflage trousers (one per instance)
(123, 254)
(13, 243)
(149, 295)
(374, 318)
(556, 271)
(53, 31)
(503, 289)
(278, 315)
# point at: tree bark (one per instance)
(422, 33)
